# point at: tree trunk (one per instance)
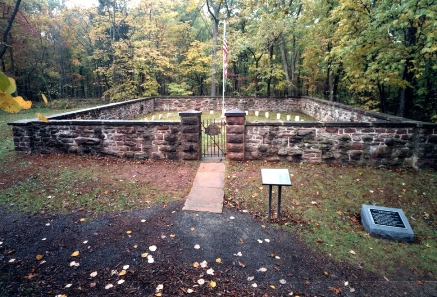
(4, 44)
(285, 64)
(215, 16)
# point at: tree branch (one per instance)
(8, 28)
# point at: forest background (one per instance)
(377, 54)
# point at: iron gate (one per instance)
(213, 138)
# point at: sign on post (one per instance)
(275, 177)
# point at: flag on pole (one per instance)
(225, 55)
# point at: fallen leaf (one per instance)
(144, 255)
(159, 287)
(204, 264)
(346, 283)
(82, 220)
(325, 273)
(152, 248)
(352, 252)
(109, 286)
(75, 254)
(158, 294)
(120, 281)
(239, 254)
(196, 264)
(68, 286)
(282, 281)
(337, 291)
(123, 272)
(319, 240)
(126, 267)
(340, 213)
(192, 229)
(93, 274)
(39, 257)
(31, 275)
(254, 285)
(135, 246)
(419, 282)
(128, 232)
(250, 278)
(267, 240)
(262, 269)
(272, 287)
(197, 246)
(172, 235)
(92, 285)
(387, 250)
(201, 281)
(307, 283)
(210, 271)
(218, 260)
(352, 290)
(241, 263)
(11, 260)
(74, 263)
(260, 241)
(189, 291)
(212, 284)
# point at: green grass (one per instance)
(323, 207)
(216, 114)
(7, 143)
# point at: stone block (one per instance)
(235, 138)
(239, 129)
(235, 120)
(386, 222)
(234, 147)
(235, 156)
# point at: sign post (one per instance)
(275, 177)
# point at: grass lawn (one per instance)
(216, 114)
(323, 205)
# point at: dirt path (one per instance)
(256, 260)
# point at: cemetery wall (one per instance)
(135, 139)
(369, 144)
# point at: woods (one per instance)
(380, 55)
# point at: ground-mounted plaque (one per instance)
(386, 222)
(275, 177)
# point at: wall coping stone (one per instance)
(235, 113)
(282, 123)
(191, 112)
(94, 122)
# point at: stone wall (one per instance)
(370, 144)
(343, 135)
(139, 140)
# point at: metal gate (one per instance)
(213, 138)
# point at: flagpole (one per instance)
(224, 74)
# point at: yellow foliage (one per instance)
(42, 118)
(45, 99)
(8, 104)
(23, 103)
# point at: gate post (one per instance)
(235, 147)
(190, 135)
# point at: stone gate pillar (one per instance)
(191, 138)
(235, 148)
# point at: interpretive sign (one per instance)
(386, 222)
(275, 177)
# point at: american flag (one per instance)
(225, 56)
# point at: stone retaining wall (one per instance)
(369, 144)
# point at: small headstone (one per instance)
(168, 115)
(247, 113)
(386, 222)
(267, 114)
(278, 116)
(153, 118)
(257, 113)
(160, 116)
(211, 112)
(288, 117)
(296, 118)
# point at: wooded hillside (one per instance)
(376, 54)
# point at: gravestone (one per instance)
(386, 222)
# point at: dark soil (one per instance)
(104, 246)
